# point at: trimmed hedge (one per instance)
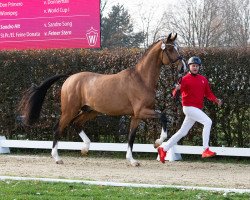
(227, 70)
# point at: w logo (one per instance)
(92, 36)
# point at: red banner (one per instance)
(42, 24)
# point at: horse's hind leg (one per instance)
(58, 130)
(54, 152)
(86, 143)
(131, 138)
(81, 119)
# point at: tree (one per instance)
(151, 24)
(117, 29)
(206, 23)
(198, 22)
(237, 22)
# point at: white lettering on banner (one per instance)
(59, 24)
(3, 13)
(69, 24)
(28, 34)
(3, 5)
(57, 10)
(57, 1)
(66, 32)
(11, 4)
(54, 33)
(54, 24)
(10, 26)
(7, 35)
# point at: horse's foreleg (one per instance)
(149, 113)
(54, 152)
(164, 134)
(131, 138)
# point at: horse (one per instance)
(131, 92)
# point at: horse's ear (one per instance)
(174, 37)
(171, 37)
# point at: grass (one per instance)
(20, 190)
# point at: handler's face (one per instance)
(194, 68)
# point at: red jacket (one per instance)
(193, 90)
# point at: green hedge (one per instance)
(227, 69)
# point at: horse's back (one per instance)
(105, 93)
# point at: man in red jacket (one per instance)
(193, 88)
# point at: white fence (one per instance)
(173, 154)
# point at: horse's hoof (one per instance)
(60, 162)
(157, 143)
(135, 164)
(84, 152)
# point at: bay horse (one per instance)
(84, 95)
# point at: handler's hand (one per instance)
(178, 86)
(219, 102)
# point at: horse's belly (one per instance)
(114, 107)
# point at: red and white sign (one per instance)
(42, 24)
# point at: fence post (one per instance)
(3, 149)
(171, 155)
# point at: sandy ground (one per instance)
(210, 174)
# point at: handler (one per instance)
(193, 87)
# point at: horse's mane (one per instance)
(148, 50)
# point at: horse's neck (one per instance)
(149, 68)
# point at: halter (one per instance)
(172, 62)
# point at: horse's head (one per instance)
(170, 53)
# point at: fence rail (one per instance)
(173, 153)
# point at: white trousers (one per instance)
(192, 115)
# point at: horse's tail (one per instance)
(31, 103)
